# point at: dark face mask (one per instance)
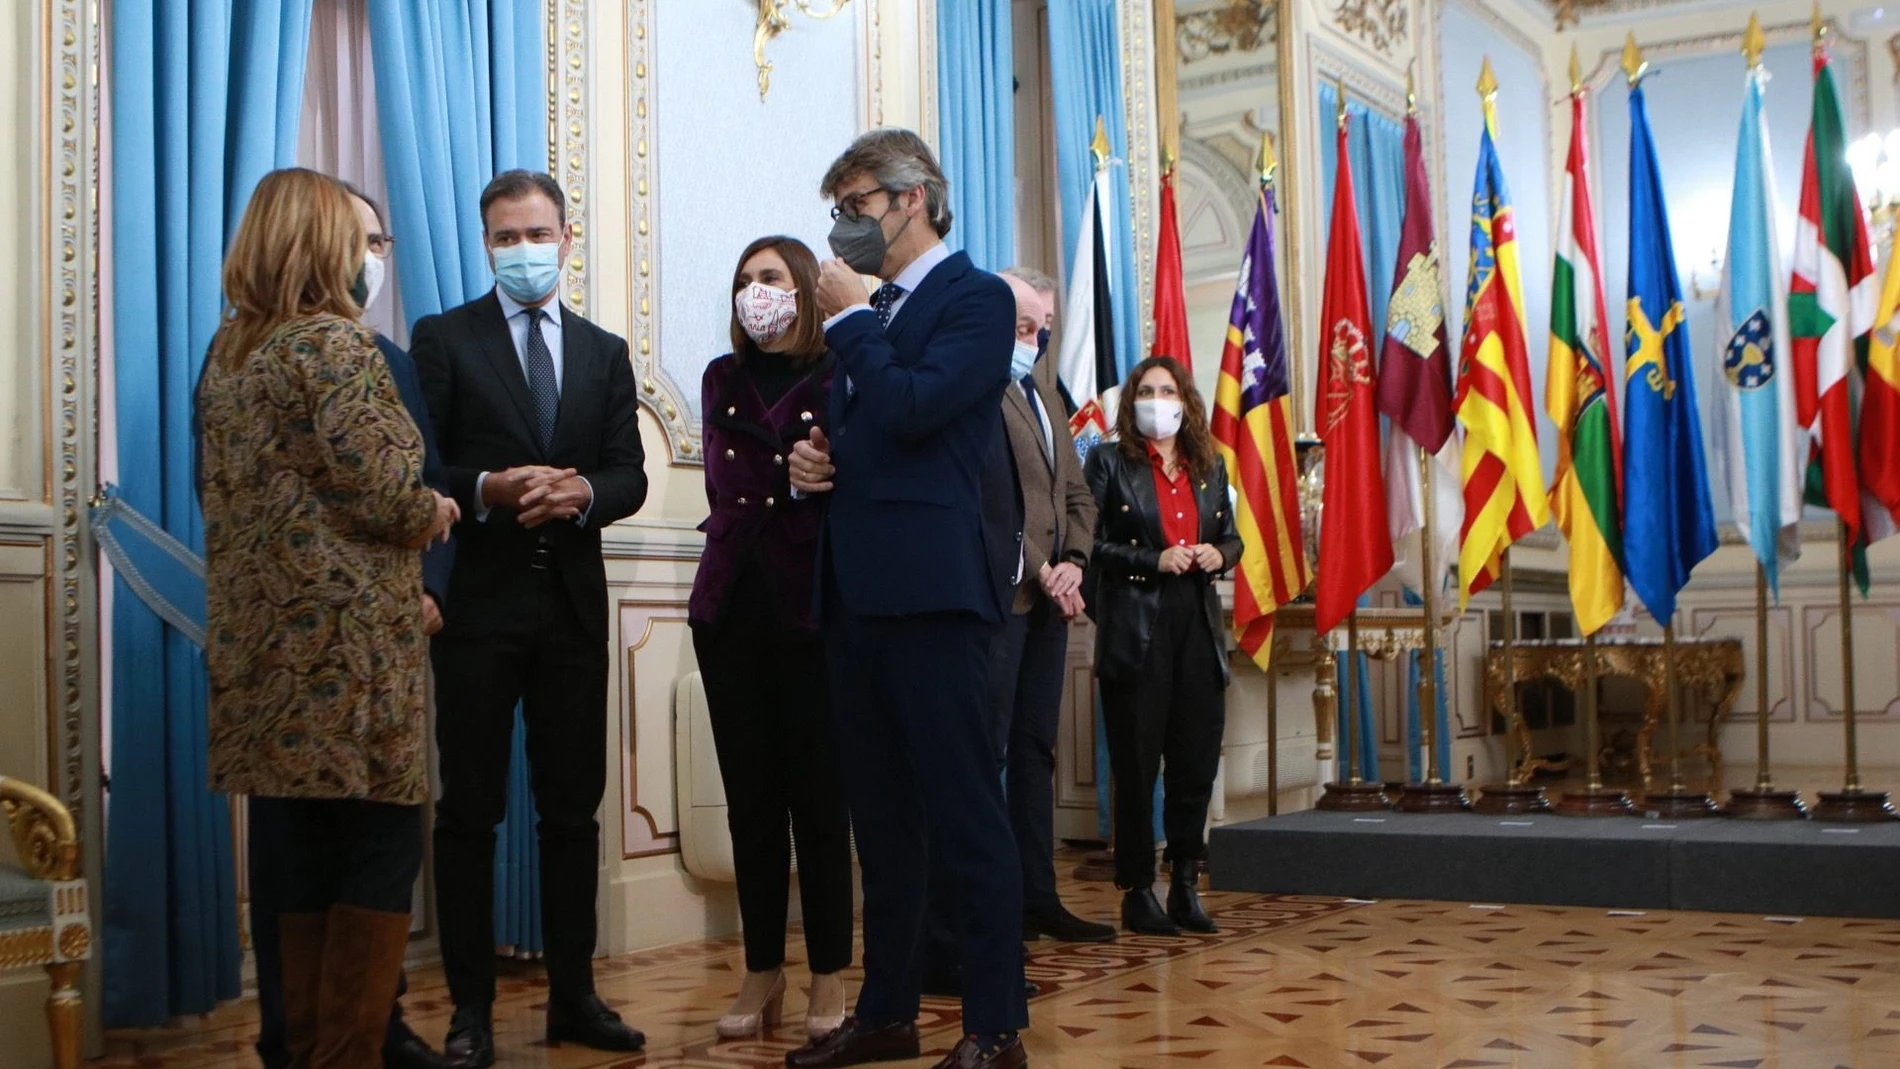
(359, 290)
(860, 242)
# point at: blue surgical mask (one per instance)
(1023, 360)
(527, 271)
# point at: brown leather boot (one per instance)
(362, 963)
(300, 938)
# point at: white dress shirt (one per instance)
(516, 315)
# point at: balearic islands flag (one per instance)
(1253, 426)
(1504, 478)
(1587, 495)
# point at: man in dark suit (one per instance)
(402, 1048)
(534, 408)
(912, 583)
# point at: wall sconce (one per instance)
(773, 20)
(1875, 161)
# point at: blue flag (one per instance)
(1757, 417)
(1668, 523)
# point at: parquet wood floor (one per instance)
(1294, 982)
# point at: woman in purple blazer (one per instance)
(760, 655)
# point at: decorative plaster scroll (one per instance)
(1383, 24)
(1241, 26)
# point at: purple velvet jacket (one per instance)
(749, 492)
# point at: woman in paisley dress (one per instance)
(314, 507)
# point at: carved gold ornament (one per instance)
(44, 835)
(75, 942)
(1383, 24)
(1241, 26)
(774, 20)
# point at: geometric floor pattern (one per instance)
(1292, 981)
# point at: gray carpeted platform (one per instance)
(1796, 868)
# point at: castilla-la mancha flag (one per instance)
(1355, 544)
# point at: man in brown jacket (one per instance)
(1029, 658)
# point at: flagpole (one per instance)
(1678, 802)
(1852, 803)
(1763, 801)
(1516, 794)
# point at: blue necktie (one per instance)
(885, 300)
(547, 396)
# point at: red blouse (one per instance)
(1180, 515)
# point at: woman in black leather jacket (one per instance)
(1165, 530)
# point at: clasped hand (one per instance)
(810, 467)
(538, 493)
(447, 515)
(1063, 584)
(1179, 560)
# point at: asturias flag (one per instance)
(1668, 523)
(1253, 426)
(1355, 543)
(1504, 478)
(1587, 494)
(1761, 451)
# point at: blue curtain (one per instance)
(1414, 735)
(1085, 69)
(205, 100)
(461, 95)
(977, 127)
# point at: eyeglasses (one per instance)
(852, 207)
(380, 244)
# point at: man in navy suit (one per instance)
(913, 572)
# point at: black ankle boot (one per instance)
(1184, 899)
(1142, 914)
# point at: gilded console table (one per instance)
(1713, 665)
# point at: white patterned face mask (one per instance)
(766, 312)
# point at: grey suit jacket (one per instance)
(1058, 509)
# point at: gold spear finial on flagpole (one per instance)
(1340, 99)
(1487, 81)
(1268, 162)
(1099, 146)
(1411, 88)
(1576, 71)
(1753, 41)
(1167, 158)
(1634, 65)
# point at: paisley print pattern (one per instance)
(311, 482)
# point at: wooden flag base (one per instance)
(1432, 798)
(1594, 802)
(1754, 804)
(1854, 807)
(1510, 799)
(1679, 805)
(1353, 797)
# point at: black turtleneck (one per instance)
(774, 374)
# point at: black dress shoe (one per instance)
(1184, 900)
(1142, 914)
(403, 1049)
(1065, 927)
(969, 1054)
(854, 1042)
(471, 1042)
(591, 1023)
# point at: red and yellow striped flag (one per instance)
(1253, 425)
(1504, 478)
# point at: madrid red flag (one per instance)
(1171, 330)
(1355, 543)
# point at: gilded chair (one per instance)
(44, 916)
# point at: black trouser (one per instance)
(541, 657)
(1176, 709)
(920, 767)
(767, 696)
(1028, 659)
(273, 834)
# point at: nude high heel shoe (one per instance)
(824, 1013)
(761, 1000)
